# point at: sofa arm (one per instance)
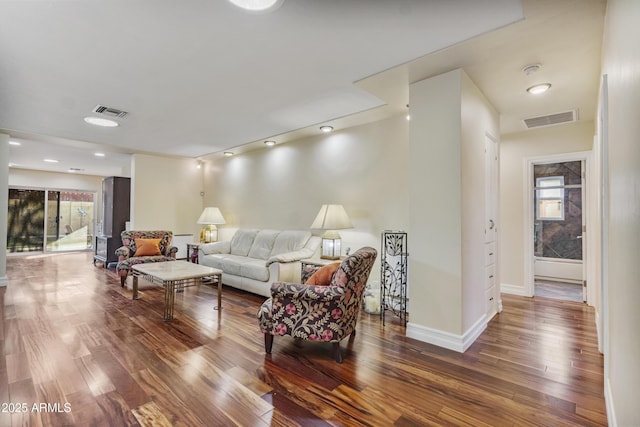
(291, 256)
(123, 253)
(294, 291)
(172, 251)
(215, 248)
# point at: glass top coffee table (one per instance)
(173, 276)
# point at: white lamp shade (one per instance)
(211, 216)
(332, 217)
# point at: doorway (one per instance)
(49, 220)
(556, 227)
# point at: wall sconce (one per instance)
(211, 217)
(331, 218)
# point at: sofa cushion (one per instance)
(254, 269)
(263, 244)
(147, 247)
(289, 241)
(241, 242)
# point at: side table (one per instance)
(192, 252)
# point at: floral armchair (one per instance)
(319, 313)
(155, 246)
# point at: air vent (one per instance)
(109, 111)
(551, 119)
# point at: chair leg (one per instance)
(268, 343)
(337, 354)
(123, 281)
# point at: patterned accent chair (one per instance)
(126, 253)
(319, 313)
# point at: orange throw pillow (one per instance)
(147, 247)
(323, 276)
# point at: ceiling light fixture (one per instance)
(257, 6)
(98, 121)
(531, 69)
(228, 153)
(269, 143)
(326, 129)
(16, 143)
(51, 161)
(99, 154)
(538, 89)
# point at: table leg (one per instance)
(219, 278)
(135, 287)
(169, 300)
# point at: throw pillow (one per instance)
(147, 247)
(323, 276)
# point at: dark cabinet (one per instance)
(116, 194)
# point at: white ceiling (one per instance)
(200, 77)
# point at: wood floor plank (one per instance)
(75, 337)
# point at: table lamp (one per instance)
(331, 218)
(210, 216)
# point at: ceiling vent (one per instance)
(109, 111)
(551, 119)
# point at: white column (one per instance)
(4, 205)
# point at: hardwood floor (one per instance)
(76, 346)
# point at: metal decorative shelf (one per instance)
(393, 274)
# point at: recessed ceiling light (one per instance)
(408, 116)
(257, 5)
(228, 153)
(538, 89)
(269, 143)
(326, 129)
(99, 154)
(99, 121)
(14, 143)
(51, 161)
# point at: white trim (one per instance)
(608, 400)
(459, 343)
(529, 162)
(508, 288)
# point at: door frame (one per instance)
(529, 217)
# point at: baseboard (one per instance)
(512, 289)
(608, 400)
(459, 343)
(599, 333)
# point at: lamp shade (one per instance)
(332, 217)
(211, 216)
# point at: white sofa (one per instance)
(253, 259)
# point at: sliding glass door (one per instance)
(25, 220)
(49, 220)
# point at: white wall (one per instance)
(449, 121)
(54, 180)
(621, 59)
(435, 188)
(165, 194)
(514, 149)
(283, 187)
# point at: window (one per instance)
(550, 198)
